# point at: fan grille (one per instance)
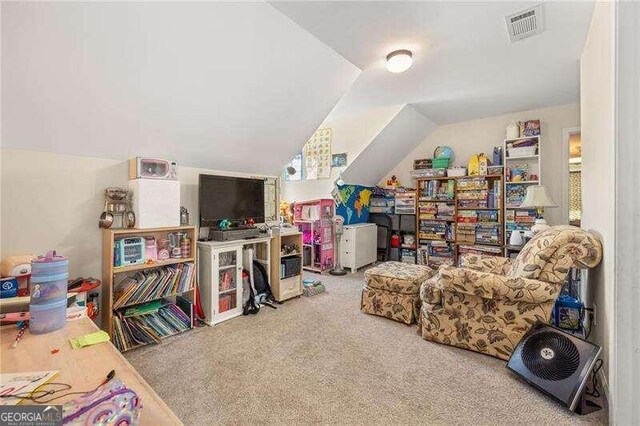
(550, 356)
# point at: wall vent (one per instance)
(525, 23)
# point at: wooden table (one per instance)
(83, 369)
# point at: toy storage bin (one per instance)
(49, 276)
(457, 171)
(435, 172)
(440, 163)
(47, 317)
(48, 291)
(523, 151)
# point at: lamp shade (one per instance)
(537, 196)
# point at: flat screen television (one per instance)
(232, 198)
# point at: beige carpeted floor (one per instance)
(320, 360)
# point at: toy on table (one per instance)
(224, 224)
(250, 222)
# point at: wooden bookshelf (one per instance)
(110, 273)
(454, 244)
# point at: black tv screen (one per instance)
(236, 199)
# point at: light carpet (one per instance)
(320, 360)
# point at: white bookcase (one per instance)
(533, 163)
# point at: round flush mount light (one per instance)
(399, 61)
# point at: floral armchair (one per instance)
(488, 303)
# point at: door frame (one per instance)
(564, 173)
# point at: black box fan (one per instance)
(557, 363)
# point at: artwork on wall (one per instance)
(296, 164)
(339, 160)
(317, 155)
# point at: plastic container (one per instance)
(524, 151)
(47, 317)
(49, 277)
(435, 172)
(457, 171)
(440, 163)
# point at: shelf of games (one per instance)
(522, 160)
(458, 215)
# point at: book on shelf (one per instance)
(188, 307)
(155, 283)
(437, 190)
(149, 327)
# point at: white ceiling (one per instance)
(464, 64)
(230, 86)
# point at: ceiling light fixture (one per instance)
(399, 61)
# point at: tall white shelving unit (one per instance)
(534, 165)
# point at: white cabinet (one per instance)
(220, 281)
(358, 246)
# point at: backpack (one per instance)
(263, 294)
(249, 304)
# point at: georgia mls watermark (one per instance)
(30, 415)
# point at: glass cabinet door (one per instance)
(227, 280)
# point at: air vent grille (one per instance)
(525, 23)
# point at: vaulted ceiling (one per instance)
(465, 66)
(241, 86)
(229, 86)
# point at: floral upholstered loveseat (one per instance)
(489, 303)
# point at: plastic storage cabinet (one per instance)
(314, 220)
(358, 246)
(220, 282)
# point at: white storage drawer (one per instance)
(358, 245)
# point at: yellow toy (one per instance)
(478, 165)
(286, 212)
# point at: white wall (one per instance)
(625, 360)
(350, 135)
(597, 117)
(475, 136)
(208, 84)
(53, 201)
(407, 129)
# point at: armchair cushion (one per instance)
(494, 286)
(550, 254)
(483, 263)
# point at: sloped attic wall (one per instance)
(231, 86)
(405, 132)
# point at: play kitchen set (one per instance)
(138, 249)
(151, 201)
(117, 202)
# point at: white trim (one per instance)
(624, 358)
(564, 173)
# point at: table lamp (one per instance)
(538, 197)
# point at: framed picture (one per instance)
(339, 160)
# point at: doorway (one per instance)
(571, 206)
